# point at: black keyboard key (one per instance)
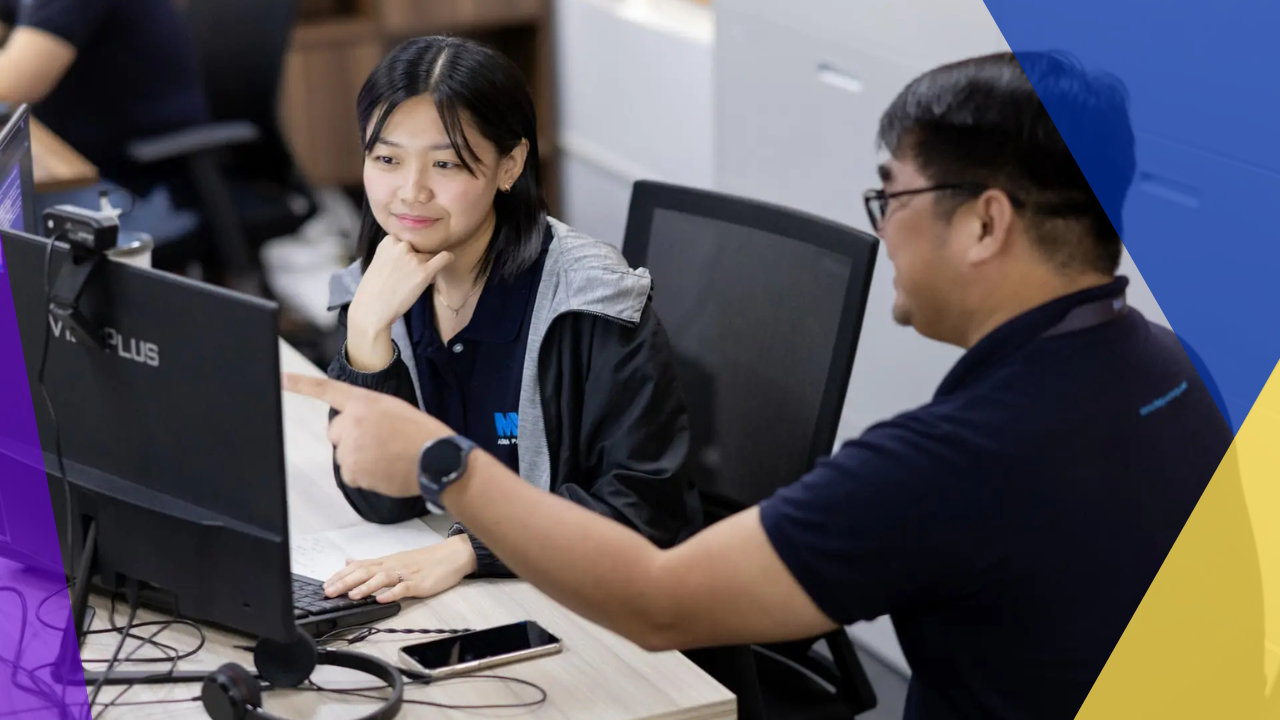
(309, 599)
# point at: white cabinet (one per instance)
(917, 33)
(634, 103)
(796, 116)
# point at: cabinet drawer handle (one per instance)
(839, 79)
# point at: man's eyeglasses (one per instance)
(877, 201)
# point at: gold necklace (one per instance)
(465, 300)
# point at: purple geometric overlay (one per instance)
(36, 681)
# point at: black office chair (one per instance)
(764, 306)
(242, 176)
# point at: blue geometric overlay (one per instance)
(1202, 220)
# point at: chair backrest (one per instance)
(240, 46)
(764, 306)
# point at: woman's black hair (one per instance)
(465, 79)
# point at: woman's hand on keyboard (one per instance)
(414, 573)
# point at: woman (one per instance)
(534, 341)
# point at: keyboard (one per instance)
(319, 615)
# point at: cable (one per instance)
(161, 626)
(139, 703)
(149, 640)
(57, 445)
(364, 692)
(128, 625)
(364, 632)
(44, 691)
(22, 636)
(39, 690)
(165, 625)
(133, 611)
(173, 655)
(53, 415)
(44, 361)
(40, 609)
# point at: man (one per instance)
(1010, 527)
(100, 74)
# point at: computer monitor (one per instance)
(171, 438)
(17, 183)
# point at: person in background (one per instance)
(100, 74)
(1010, 527)
(472, 304)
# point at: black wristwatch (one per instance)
(442, 463)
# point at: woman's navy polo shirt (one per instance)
(473, 383)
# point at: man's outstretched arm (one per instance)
(726, 585)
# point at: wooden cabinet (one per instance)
(338, 42)
(407, 18)
(323, 72)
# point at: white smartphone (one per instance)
(481, 649)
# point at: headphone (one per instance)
(233, 693)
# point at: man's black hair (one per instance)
(981, 122)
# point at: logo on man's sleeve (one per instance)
(508, 425)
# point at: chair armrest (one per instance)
(194, 140)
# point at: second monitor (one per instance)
(17, 185)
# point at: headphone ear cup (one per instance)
(229, 692)
(286, 664)
(247, 683)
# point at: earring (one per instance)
(508, 188)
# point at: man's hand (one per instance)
(376, 437)
(396, 278)
(422, 572)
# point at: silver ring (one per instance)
(399, 577)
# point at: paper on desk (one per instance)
(320, 555)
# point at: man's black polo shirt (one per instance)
(472, 384)
(134, 77)
(1012, 525)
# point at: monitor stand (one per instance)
(82, 618)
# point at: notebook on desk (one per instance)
(317, 556)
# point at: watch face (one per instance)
(441, 460)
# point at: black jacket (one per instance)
(615, 422)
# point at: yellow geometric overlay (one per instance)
(1205, 642)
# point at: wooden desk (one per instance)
(55, 164)
(599, 676)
